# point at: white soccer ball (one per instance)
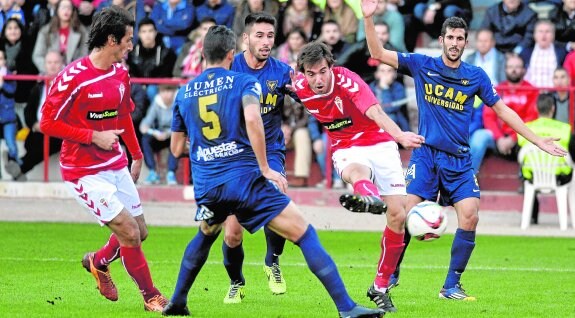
(426, 221)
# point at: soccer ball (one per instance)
(426, 221)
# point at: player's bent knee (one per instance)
(233, 239)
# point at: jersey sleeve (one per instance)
(251, 86)
(358, 91)
(60, 100)
(406, 61)
(178, 124)
(487, 92)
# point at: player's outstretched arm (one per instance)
(407, 139)
(511, 118)
(376, 50)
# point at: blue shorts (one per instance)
(253, 199)
(277, 161)
(431, 172)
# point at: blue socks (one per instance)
(461, 249)
(194, 258)
(233, 261)
(275, 246)
(321, 264)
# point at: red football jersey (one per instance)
(87, 99)
(342, 110)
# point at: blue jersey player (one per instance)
(220, 113)
(445, 89)
(273, 75)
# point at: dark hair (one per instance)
(3, 38)
(331, 21)
(312, 54)
(112, 21)
(454, 23)
(259, 17)
(208, 19)
(299, 31)
(218, 42)
(545, 104)
(146, 21)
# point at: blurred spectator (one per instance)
(430, 16)
(190, 61)
(331, 36)
(487, 57)
(42, 13)
(18, 50)
(9, 9)
(562, 17)
(521, 97)
(544, 56)
(546, 126)
(301, 14)
(174, 20)
(150, 58)
(391, 95)
(289, 51)
(412, 27)
(394, 21)
(476, 116)
(156, 132)
(319, 139)
(512, 23)
(64, 33)
(297, 137)
(219, 10)
(562, 103)
(343, 14)
(252, 6)
(86, 9)
(358, 59)
(34, 143)
(8, 118)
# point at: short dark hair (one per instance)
(218, 42)
(147, 21)
(454, 23)
(113, 21)
(545, 104)
(312, 54)
(259, 17)
(208, 19)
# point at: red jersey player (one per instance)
(365, 153)
(89, 106)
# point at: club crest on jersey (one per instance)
(272, 85)
(211, 75)
(339, 104)
(122, 89)
(464, 82)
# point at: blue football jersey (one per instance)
(209, 108)
(445, 99)
(273, 78)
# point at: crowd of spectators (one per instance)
(169, 35)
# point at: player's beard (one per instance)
(448, 56)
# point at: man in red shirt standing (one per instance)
(521, 97)
(364, 148)
(89, 106)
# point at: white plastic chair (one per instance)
(543, 167)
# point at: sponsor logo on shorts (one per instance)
(137, 205)
(111, 113)
(397, 185)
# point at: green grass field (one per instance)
(41, 276)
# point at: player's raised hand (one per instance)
(548, 145)
(293, 76)
(410, 140)
(368, 7)
(106, 139)
(135, 169)
(277, 178)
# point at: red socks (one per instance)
(137, 267)
(365, 187)
(108, 253)
(391, 248)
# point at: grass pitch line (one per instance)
(284, 264)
